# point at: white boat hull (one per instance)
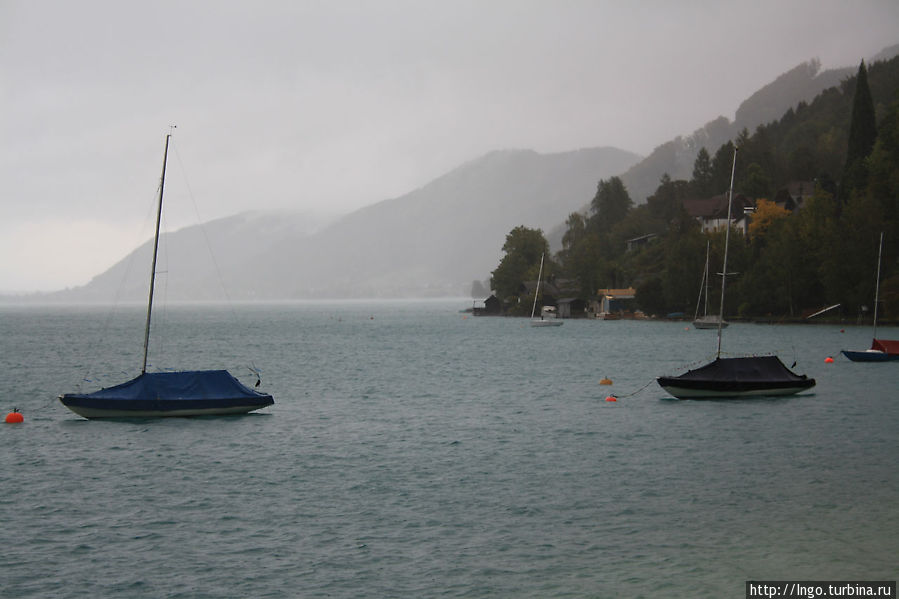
(86, 412)
(685, 393)
(547, 323)
(710, 322)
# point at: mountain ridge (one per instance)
(434, 240)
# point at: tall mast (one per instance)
(877, 287)
(537, 290)
(704, 284)
(165, 156)
(730, 202)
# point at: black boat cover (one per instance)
(758, 369)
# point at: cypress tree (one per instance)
(863, 127)
(862, 135)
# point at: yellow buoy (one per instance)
(605, 381)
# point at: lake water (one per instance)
(414, 451)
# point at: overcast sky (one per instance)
(333, 105)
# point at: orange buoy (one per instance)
(605, 381)
(14, 417)
(828, 360)
(611, 398)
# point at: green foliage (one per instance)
(523, 248)
(795, 263)
(610, 205)
(650, 296)
(721, 168)
(862, 136)
(702, 174)
(863, 127)
(756, 183)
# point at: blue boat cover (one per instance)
(184, 385)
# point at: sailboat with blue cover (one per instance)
(158, 394)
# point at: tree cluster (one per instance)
(817, 251)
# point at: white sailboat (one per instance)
(548, 315)
(706, 321)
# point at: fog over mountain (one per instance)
(676, 157)
(434, 241)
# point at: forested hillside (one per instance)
(804, 250)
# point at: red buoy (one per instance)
(14, 417)
(611, 398)
(828, 360)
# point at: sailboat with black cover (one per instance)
(728, 378)
(158, 394)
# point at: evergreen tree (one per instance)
(863, 127)
(523, 249)
(722, 165)
(611, 204)
(702, 174)
(755, 182)
(883, 165)
(862, 136)
(666, 205)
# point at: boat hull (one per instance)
(547, 323)
(700, 323)
(734, 378)
(165, 394)
(159, 409)
(869, 356)
(736, 390)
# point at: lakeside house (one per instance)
(492, 307)
(613, 304)
(794, 195)
(712, 212)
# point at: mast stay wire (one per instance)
(202, 226)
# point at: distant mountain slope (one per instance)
(433, 241)
(676, 157)
(202, 262)
(437, 239)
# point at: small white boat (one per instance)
(706, 321)
(548, 318)
(548, 315)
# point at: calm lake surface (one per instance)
(414, 451)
